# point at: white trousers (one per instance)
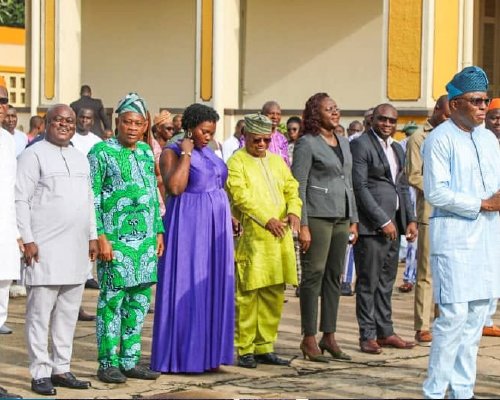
(455, 342)
(54, 309)
(4, 300)
(492, 309)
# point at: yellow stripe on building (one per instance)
(404, 50)
(206, 59)
(446, 18)
(50, 49)
(12, 70)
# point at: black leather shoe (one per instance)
(6, 395)
(247, 361)
(91, 284)
(141, 372)
(69, 380)
(43, 386)
(83, 316)
(111, 375)
(270, 358)
(346, 290)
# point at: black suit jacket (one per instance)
(99, 113)
(375, 191)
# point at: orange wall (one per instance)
(12, 35)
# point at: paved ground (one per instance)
(393, 374)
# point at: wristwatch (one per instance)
(183, 153)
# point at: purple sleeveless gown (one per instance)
(194, 313)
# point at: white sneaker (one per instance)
(17, 291)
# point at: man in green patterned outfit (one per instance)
(130, 241)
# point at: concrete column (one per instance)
(226, 61)
(428, 52)
(33, 55)
(68, 50)
(224, 38)
(468, 33)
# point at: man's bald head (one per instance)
(55, 109)
(268, 105)
(61, 124)
(441, 111)
(385, 118)
(272, 110)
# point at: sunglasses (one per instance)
(258, 140)
(381, 118)
(476, 101)
(4, 100)
(168, 128)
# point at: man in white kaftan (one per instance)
(56, 219)
(462, 182)
(9, 250)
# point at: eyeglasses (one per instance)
(4, 100)
(476, 101)
(258, 140)
(292, 129)
(382, 118)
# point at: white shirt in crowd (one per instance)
(84, 143)
(229, 146)
(21, 140)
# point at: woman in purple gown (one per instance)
(194, 313)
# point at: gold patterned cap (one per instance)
(258, 124)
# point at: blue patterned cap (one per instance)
(470, 79)
(132, 102)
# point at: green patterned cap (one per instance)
(258, 124)
(132, 102)
(410, 127)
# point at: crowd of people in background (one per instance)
(222, 228)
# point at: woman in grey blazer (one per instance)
(322, 164)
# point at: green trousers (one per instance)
(258, 314)
(322, 267)
(119, 322)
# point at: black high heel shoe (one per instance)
(313, 357)
(338, 355)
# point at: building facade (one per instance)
(237, 54)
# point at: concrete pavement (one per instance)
(392, 374)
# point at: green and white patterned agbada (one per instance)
(127, 212)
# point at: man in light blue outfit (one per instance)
(462, 182)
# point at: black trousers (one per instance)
(376, 259)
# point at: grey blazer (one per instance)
(325, 185)
(376, 193)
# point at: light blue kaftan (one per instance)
(460, 170)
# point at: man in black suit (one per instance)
(384, 211)
(86, 101)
